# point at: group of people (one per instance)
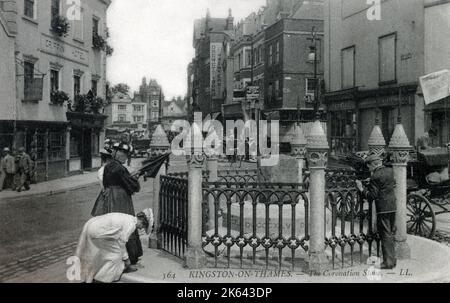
(110, 244)
(17, 170)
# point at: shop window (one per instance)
(343, 132)
(75, 144)
(40, 147)
(387, 56)
(348, 67)
(57, 146)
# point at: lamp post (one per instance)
(313, 57)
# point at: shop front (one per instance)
(437, 119)
(352, 115)
(45, 142)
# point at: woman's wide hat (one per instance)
(125, 147)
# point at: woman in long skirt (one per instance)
(119, 187)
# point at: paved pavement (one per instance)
(428, 264)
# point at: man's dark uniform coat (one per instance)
(382, 190)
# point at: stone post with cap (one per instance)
(299, 150)
(212, 166)
(317, 155)
(159, 145)
(377, 143)
(400, 148)
(195, 258)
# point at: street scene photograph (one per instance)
(224, 141)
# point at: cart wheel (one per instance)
(421, 217)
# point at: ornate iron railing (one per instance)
(173, 228)
(351, 226)
(235, 176)
(251, 218)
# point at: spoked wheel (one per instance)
(420, 215)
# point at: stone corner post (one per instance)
(159, 146)
(195, 257)
(317, 154)
(212, 165)
(399, 148)
(299, 143)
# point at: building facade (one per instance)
(373, 69)
(176, 109)
(272, 51)
(127, 115)
(151, 93)
(57, 63)
(209, 89)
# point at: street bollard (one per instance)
(400, 148)
(195, 258)
(317, 154)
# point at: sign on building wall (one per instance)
(435, 86)
(216, 70)
(64, 50)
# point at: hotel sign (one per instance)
(216, 70)
(63, 50)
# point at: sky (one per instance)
(153, 38)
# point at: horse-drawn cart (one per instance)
(428, 190)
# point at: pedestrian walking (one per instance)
(117, 197)
(24, 165)
(102, 249)
(381, 190)
(9, 168)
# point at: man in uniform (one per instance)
(381, 190)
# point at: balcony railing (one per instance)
(33, 88)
